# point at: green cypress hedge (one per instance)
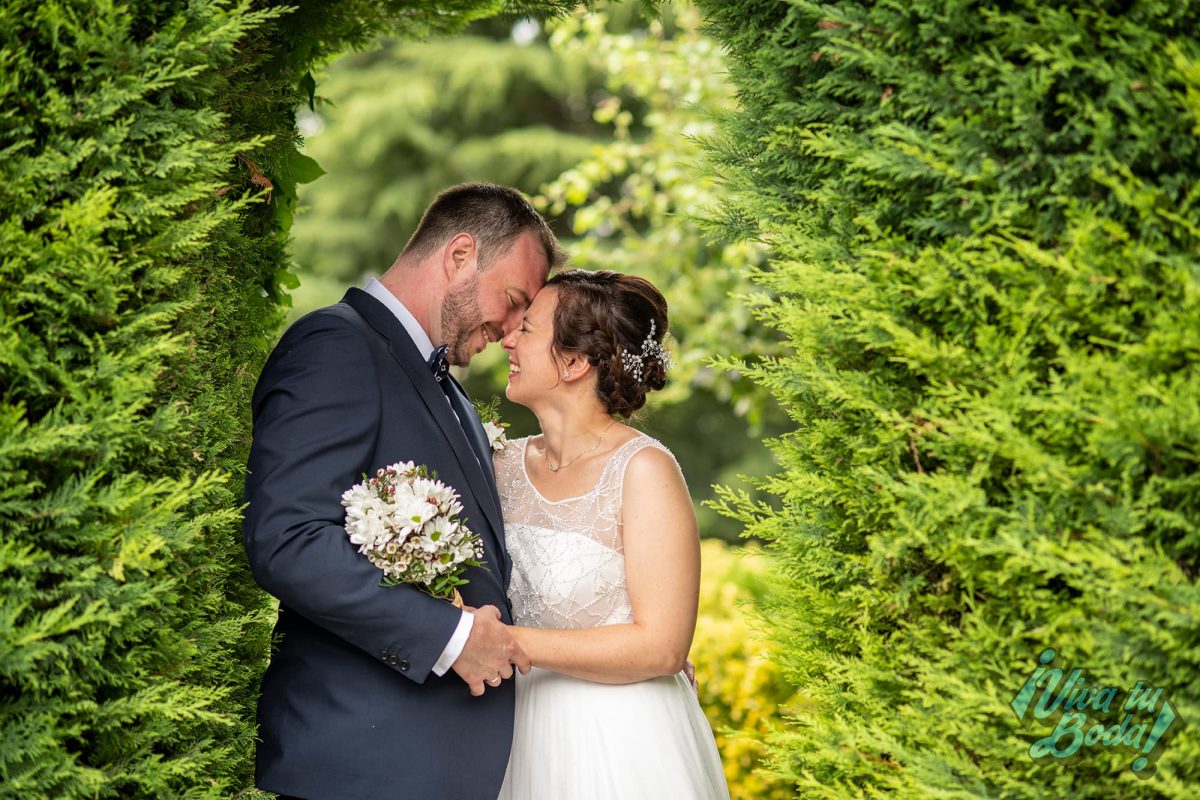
(986, 258)
(148, 168)
(125, 668)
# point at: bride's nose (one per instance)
(510, 339)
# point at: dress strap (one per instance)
(507, 462)
(612, 481)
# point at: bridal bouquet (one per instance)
(406, 522)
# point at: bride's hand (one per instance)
(519, 635)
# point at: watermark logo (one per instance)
(1092, 716)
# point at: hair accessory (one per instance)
(635, 364)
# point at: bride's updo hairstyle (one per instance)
(618, 323)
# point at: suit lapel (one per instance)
(483, 448)
(406, 354)
(476, 435)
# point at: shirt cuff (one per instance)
(456, 644)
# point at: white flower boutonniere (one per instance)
(489, 414)
(496, 436)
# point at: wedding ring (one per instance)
(496, 681)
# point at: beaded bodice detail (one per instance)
(568, 563)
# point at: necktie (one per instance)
(439, 365)
(467, 418)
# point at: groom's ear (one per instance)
(459, 257)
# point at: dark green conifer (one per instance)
(985, 237)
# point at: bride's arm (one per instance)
(662, 564)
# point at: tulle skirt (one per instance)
(579, 740)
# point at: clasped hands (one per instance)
(490, 653)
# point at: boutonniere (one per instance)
(489, 415)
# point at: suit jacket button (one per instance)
(384, 655)
(403, 664)
(392, 660)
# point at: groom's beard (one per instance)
(461, 317)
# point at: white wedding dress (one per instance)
(576, 739)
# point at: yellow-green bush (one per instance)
(741, 690)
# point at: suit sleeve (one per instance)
(316, 417)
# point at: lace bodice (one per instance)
(568, 563)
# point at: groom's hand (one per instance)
(490, 651)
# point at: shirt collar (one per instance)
(415, 331)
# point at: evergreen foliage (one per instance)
(984, 232)
(147, 182)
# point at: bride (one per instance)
(606, 563)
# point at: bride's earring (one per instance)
(566, 374)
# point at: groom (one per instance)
(379, 692)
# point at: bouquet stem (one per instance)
(456, 600)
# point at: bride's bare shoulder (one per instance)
(655, 495)
(652, 463)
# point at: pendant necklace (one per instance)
(552, 468)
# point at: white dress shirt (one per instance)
(421, 339)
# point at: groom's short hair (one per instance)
(495, 215)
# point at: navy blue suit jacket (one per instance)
(350, 708)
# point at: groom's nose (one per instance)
(509, 325)
(512, 320)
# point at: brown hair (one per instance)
(603, 315)
(495, 215)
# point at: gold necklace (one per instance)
(552, 468)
